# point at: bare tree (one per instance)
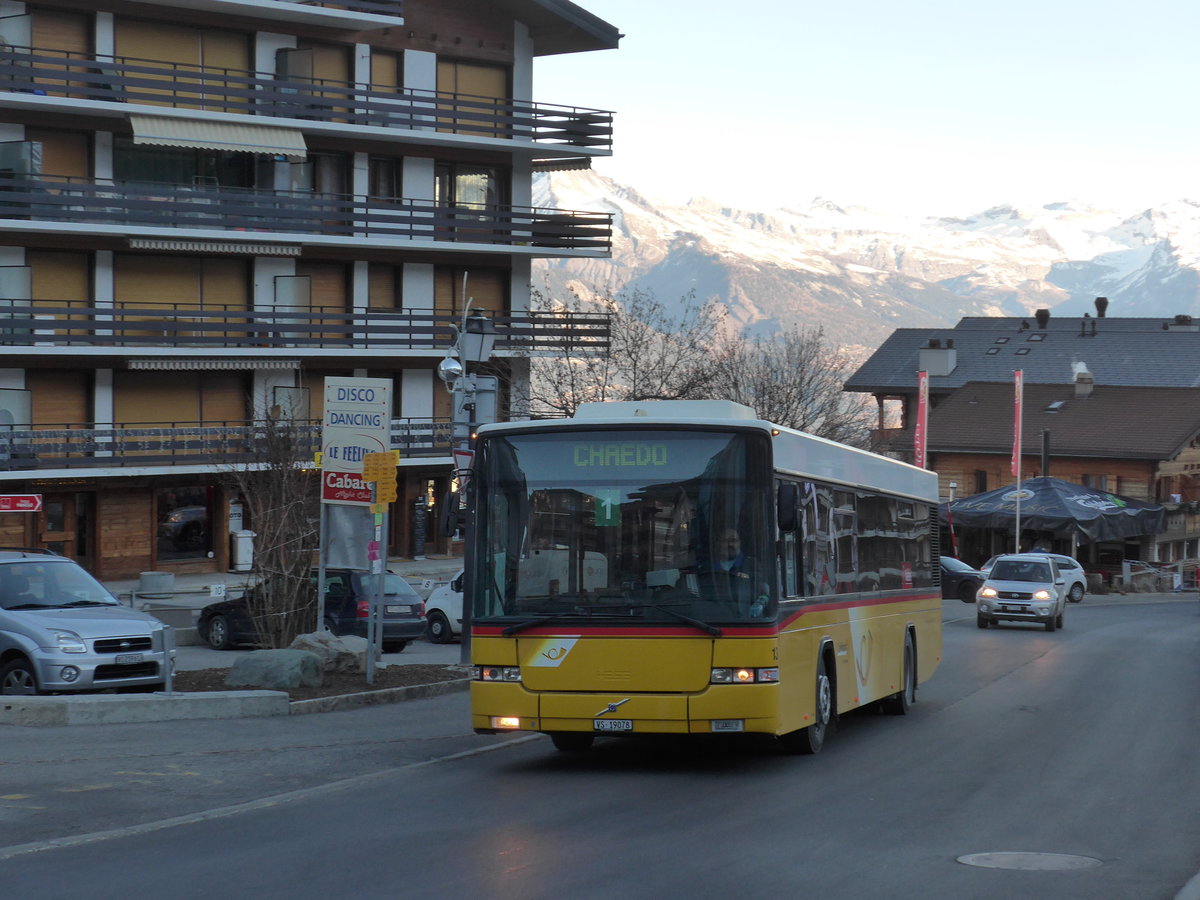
(654, 353)
(794, 379)
(281, 497)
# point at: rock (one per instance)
(337, 654)
(276, 670)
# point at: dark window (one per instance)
(184, 522)
(181, 166)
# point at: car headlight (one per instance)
(69, 642)
(989, 592)
(1041, 595)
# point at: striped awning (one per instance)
(207, 365)
(238, 137)
(562, 165)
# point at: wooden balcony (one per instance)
(55, 323)
(215, 444)
(245, 214)
(154, 83)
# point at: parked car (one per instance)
(1073, 573)
(62, 631)
(348, 595)
(1023, 587)
(444, 611)
(959, 580)
(1069, 566)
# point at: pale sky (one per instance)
(926, 106)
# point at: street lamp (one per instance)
(474, 346)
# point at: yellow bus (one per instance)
(683, 567)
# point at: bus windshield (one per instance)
(624, 525)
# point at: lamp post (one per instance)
(950, 519)
(473, 347)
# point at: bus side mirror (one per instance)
(786, 505)
(452, 518)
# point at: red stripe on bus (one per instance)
(686, 631)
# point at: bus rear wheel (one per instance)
(572, 741)
(898, 704)
(810, 740)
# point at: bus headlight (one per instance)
(744, 675)
(497, 673)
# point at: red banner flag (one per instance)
(1018, 382)
(919, 432)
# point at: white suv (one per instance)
(1023, 587)
(61, 630)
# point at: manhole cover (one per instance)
(1030, 862)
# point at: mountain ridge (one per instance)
(860, 274)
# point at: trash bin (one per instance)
(243, 550)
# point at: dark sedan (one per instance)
(959, 580)
(348, 593)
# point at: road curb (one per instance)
(375, 698)
(113, 709)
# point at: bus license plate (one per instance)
(612, 724)
(127, 659)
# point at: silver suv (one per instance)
(1023, 587)
(61, 630)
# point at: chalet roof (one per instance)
(1155, 423)
(1117, 351)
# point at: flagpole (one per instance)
(1018, 384)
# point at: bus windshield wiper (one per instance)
(531, 623)
(695, 623)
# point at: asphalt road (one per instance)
(1077, 748)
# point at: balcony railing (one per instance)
(157, 83)
(216, 444)
(81, 323)
(235, 210)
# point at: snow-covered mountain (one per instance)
(862, 274)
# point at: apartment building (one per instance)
(209, 206)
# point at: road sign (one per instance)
(463, 459)
(20, 502)
(380, 468)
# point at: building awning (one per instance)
(238, 137)
(190, 365)
(214, 247)
(561, 165)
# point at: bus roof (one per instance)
(796, 452)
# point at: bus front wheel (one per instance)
(572, 741)
(810, 740)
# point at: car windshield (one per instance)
(955, 565)
(1020, 570)
(43, 585)
(367, 585)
